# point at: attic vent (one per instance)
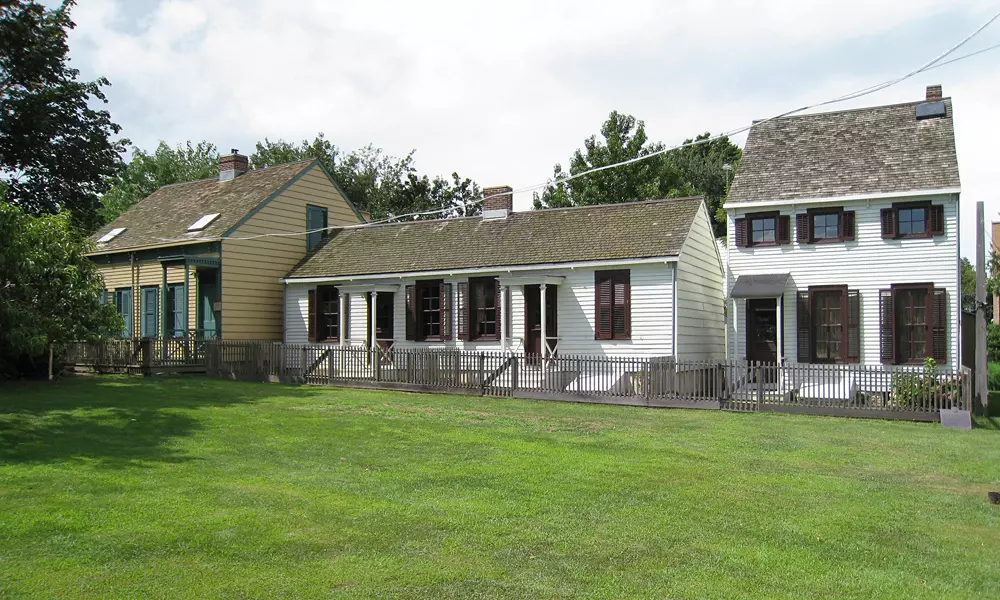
(203, 222)
(107, 237)
(929, 110)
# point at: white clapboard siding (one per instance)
(867, 264)
(651, 299)
(701, 331)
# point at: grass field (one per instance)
(195, 488)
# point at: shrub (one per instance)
(929, 387)
(993, 377)
(993, 343)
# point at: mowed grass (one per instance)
(198, 488)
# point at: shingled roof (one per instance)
(167, 213)
(607, 232)
(881, 149)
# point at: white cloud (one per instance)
(500, 93)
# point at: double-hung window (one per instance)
(829, 325)
(762, 229)
(316, 224)
(483, 296)
(123, 302)
(324, 314)
(913, 220)
(913, 323)
(824, 225)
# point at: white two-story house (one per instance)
(843, 238)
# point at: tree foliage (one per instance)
(56, 150)
(49, 290)
(691, 170)
(377, 183)
(147, 172)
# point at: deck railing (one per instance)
(909, 392)
(138, 355)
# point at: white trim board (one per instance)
(485, 270)
(742, 206)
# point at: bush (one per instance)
(917, 390)
(993, 343)
(993, 377)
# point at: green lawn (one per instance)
(195, 488)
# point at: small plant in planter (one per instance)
(926, 389)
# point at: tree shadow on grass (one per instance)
(115, 421)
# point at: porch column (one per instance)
(545, 331)
(736, 330)
(163, 313)
(374, 317)
(504, 310)
(342, 326)
(779, 304)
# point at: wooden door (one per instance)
(762, 330)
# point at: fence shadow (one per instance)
(115, 421)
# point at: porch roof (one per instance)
(760, 286)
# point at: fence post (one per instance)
(514, 367)
(146, 350)
(759, 376)
(646, 381)
(376, 365)
(482, 373)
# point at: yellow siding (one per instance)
(252, 292)
(148, 273)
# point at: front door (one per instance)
(533, 317)
(208, 295)
(762, 330)
(384, 323)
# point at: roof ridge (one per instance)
(516, 213)
(849, 110)
(249, 172)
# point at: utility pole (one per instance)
(981, 389)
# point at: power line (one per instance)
(933, 64)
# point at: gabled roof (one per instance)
(881, 149)
(564, 235)
(167, 213)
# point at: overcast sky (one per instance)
(502, 92)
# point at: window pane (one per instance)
(911, 324)
(912, 220)
(827, 313)
(763, 229)
(826, 226)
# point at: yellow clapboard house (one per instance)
(185, 262)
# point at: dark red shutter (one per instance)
(802, 228)
(497, 305)
(346, 333)
(853, 326)
(847, 225)
(888, 223)
(602, 305)
(939, 325)
(411, 312)
(445, 311)
(463, 308)
(621, 318)
(887, 352)
(937, 219)
(741, 233)
(803, 339)
(784, 227)
(507, 322)
(311, 315)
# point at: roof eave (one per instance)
(843, 198)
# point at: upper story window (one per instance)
(912, 220)
(316, 224)
(824, 225)
(762, 229)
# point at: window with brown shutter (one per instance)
(764, 229)
(848, 226)
(446, 300)
(741, 232)
(829, 325)
(824, 226)
(613, 319)
(431, 310)
(327, 303)
(913, 323)
(484, 308)
(912, 220)
(508, 330)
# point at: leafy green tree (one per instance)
(56, 149)
(378, 184)
(49, 290)
(147, 172)
(695, 169)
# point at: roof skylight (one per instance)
(107, 237)
(203, 222)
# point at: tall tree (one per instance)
(695, 169)
(147, 172)
(49, 290)
(56, 150)
(378, 183)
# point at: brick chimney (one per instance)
(498, 202)
(233, 165)
(933, 93)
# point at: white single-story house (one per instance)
(638, 279)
